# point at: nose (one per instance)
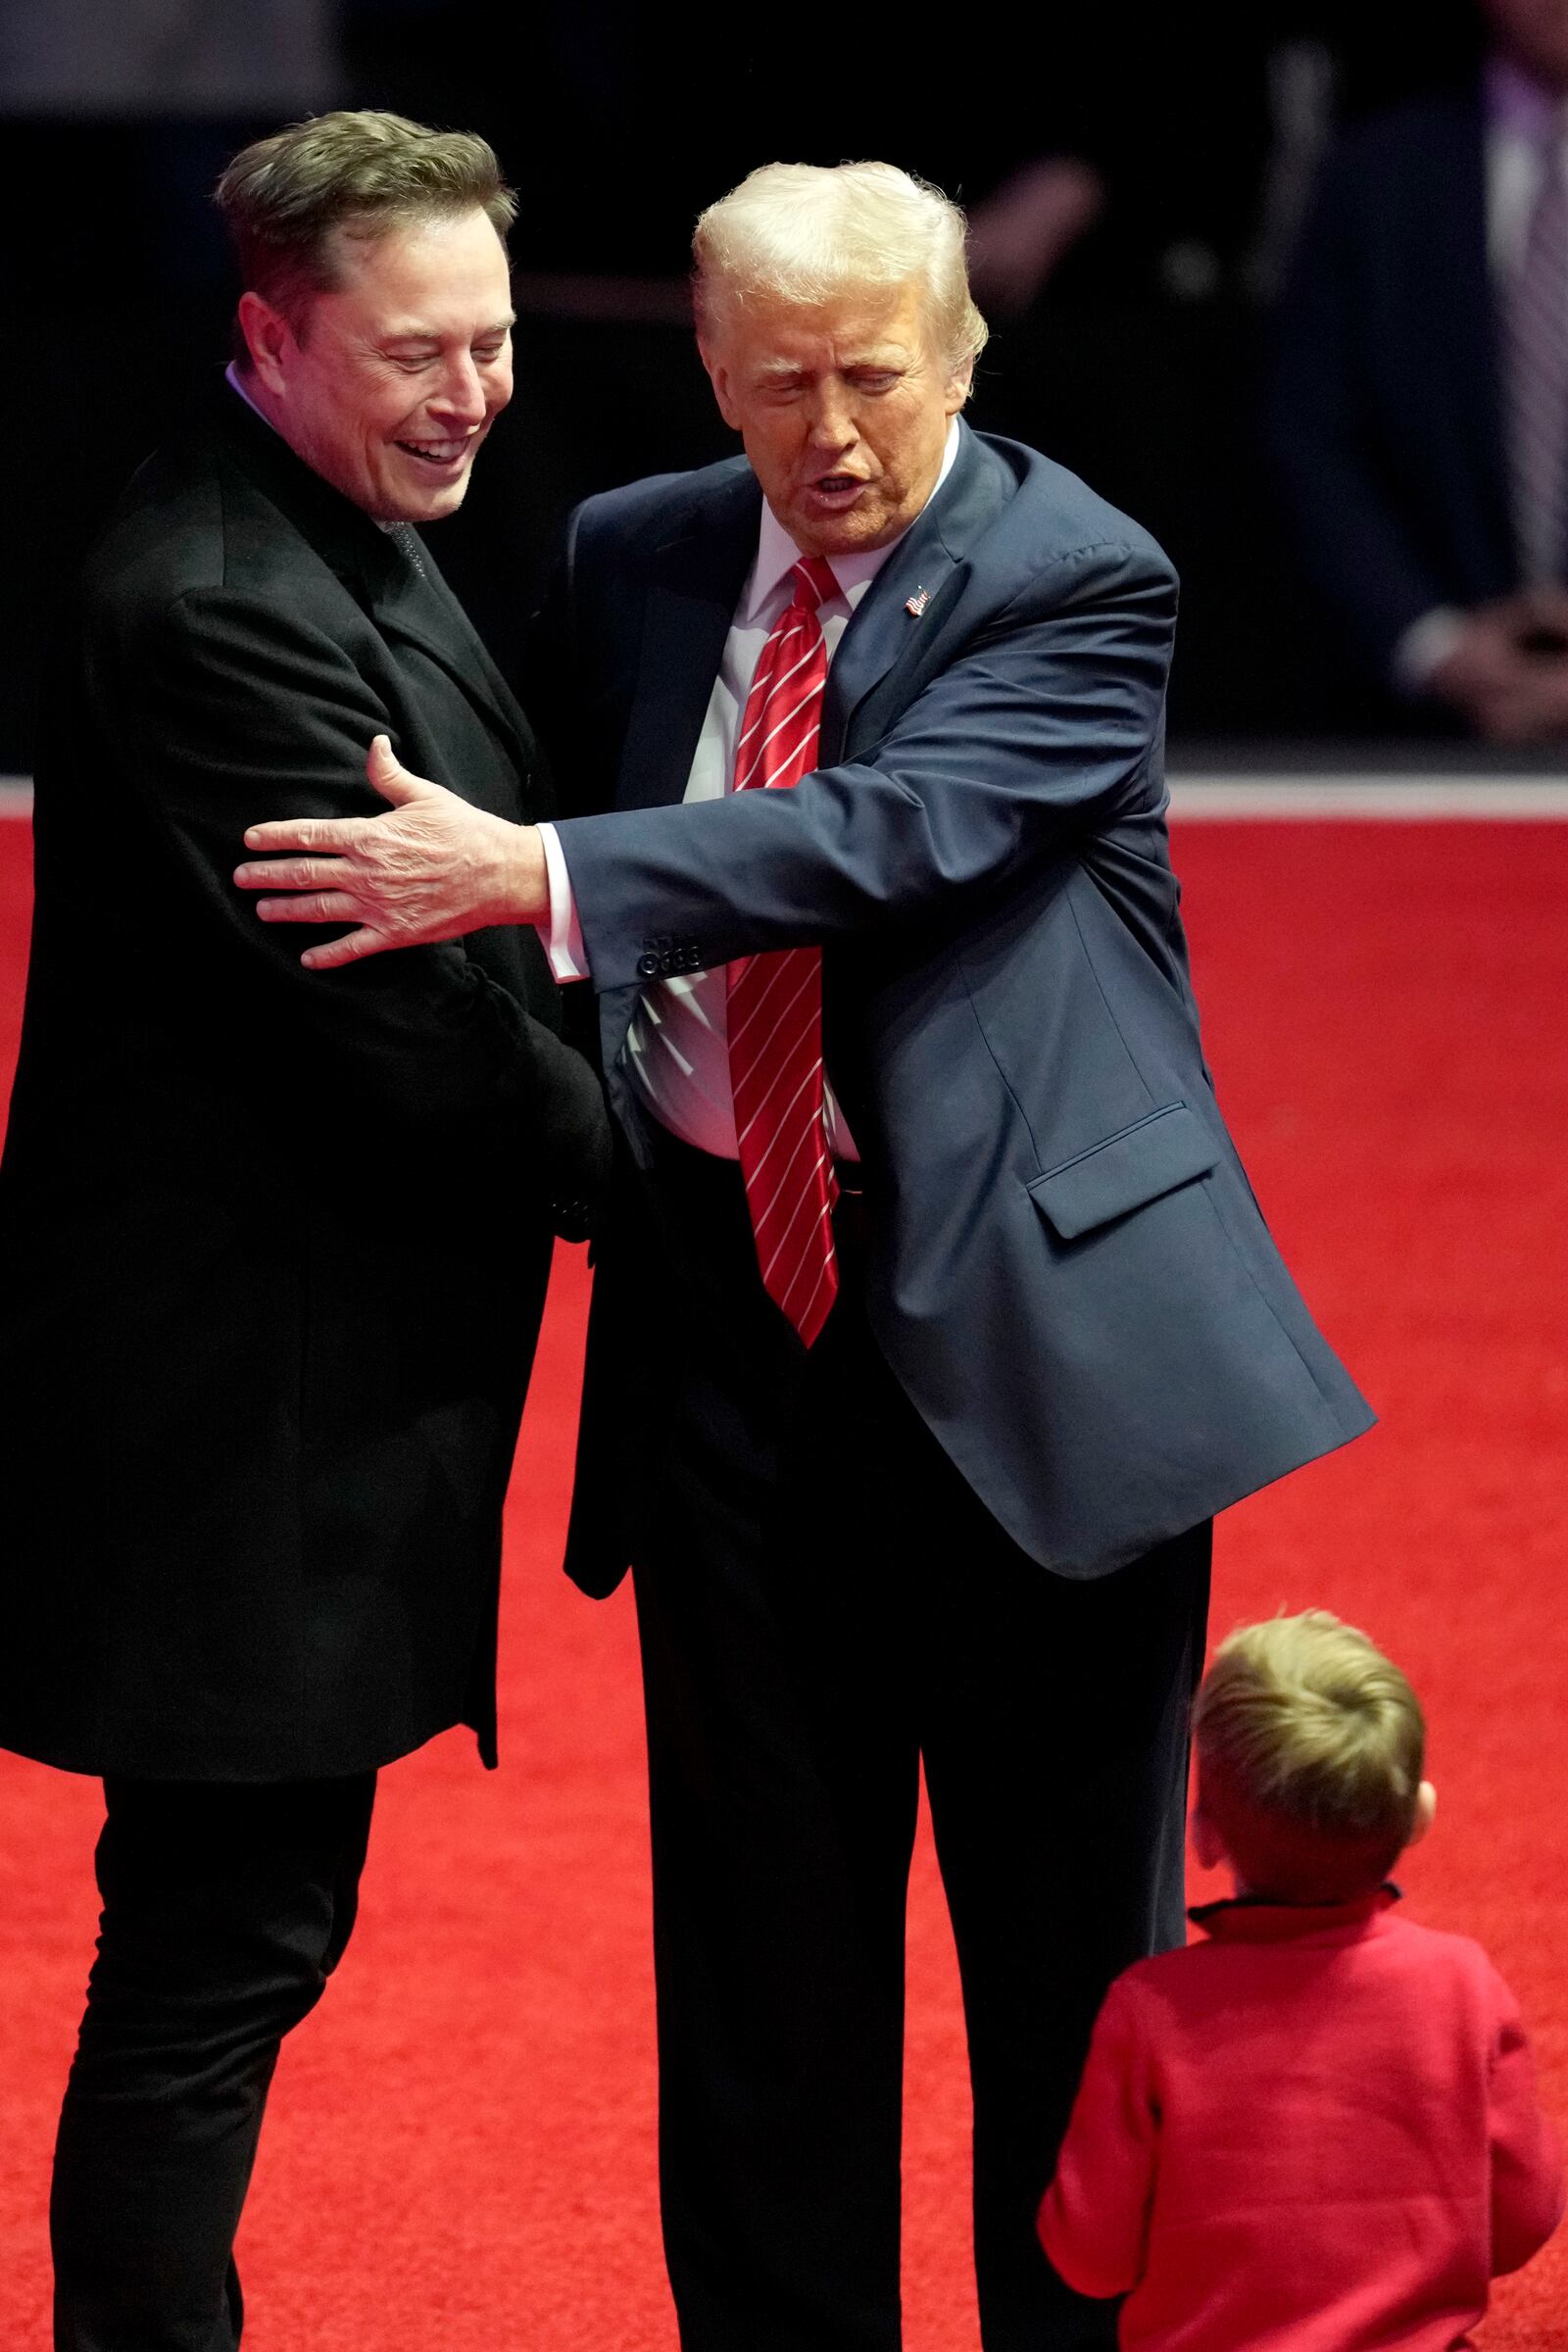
(461, 395)
(831, 423)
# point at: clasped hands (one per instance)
(433, 867)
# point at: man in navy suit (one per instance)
(965, 1522)
(1418, 413)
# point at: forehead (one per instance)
(859, 323)
(424, 272)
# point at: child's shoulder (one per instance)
(1391, 1939)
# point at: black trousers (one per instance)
(823, 1607)
(224, 1911)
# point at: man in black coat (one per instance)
(260, 1398)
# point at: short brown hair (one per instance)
(1310, 1746)
(285, 197)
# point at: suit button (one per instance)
(668, 964)
(648, 967)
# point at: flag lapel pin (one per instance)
(918, 602)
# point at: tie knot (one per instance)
(813, 580)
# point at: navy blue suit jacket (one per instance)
(1385, 411)
(1067, 1270)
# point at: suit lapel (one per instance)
(417, 606)
(696, 580)
(696, 584)
(901, 613)
(405, 599)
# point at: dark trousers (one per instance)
(224, 1911)
(824, 1606)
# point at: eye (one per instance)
(874, 379)
(488, 353)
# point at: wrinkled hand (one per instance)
(1511, 690)
(432, 869)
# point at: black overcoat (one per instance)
(273, 1243)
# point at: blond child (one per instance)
(1318, 2128)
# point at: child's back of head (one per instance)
(1309, 1753)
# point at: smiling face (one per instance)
(397, 376)
(843, 409)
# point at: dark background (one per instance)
(1138, 365)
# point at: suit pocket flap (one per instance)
(1167, 1148)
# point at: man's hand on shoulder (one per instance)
(432, 869)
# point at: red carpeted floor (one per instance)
(459, 2154)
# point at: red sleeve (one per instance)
(1094, 2220)
(1527, 2168)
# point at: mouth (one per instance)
(836, 490)
(440, 456)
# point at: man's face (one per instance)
(842, 408)
(401, 374)
(1535, 32)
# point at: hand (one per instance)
(1510, 689)
(433, 867)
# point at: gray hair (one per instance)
(807, 231)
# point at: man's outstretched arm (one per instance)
(1044, 725)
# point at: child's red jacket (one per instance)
(1316, 2131)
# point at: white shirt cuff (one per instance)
(1425, 644)
(561, 937)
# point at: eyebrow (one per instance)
(427, 334)
(783, 371)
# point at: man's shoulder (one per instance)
(1014, 515)
(191, 524)
(1050, 513)
(662, 506)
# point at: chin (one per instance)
(434, 505)
(841, 534)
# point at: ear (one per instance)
(1208, 1847)
(718, 376)
(269, 338)
(959, 386)
(1426, 1806)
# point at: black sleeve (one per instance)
(229, 709)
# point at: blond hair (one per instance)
(285, 197)
(809, 231)
(1310, 1746)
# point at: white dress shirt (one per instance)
(676, 1053)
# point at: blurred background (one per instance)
(1180, 312)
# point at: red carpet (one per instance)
(459, 2152)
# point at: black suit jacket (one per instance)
(272, 1245)
(1384, 414)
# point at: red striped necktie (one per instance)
(775, 1000)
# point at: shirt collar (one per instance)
(1252, 1918)
(232, 377)
(777, 554)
